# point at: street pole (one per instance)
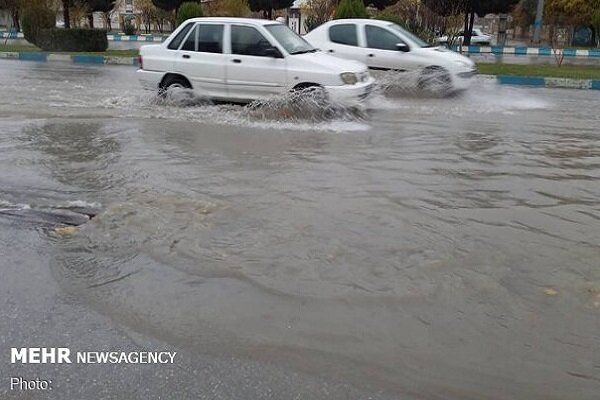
(537, 25)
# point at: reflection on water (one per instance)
(449, 250)
(78, 154)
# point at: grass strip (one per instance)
(542, 70)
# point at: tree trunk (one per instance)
(466, 28)
(91, 20)
(270, 14)
(571, 36)
(471, 23)
(15, 20)
(107, 21)
(66, 16)
(469, 20)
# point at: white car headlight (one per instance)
(349, 78)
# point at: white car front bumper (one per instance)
(351, 95)
(462, 80)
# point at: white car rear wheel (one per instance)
(173, 85)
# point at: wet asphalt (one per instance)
(418, 248)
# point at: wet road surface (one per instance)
(418, 249)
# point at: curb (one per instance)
(137, 38)
(72, 58)
(538, 81)
(525, 51)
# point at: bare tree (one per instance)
(418, 18)
(318, 12)
(147, 12)
(78, 11)
(108, 15)
(162, 18)
(453, 25)
(560, 38)
(12, 6)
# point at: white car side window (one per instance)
(174, 44)
(210, 38)
(344, 34)
(248, 41)
(379, 38)
(190, 41)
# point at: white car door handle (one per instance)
(371, 55)
(236, 60)
(186, 56)
(331, 51)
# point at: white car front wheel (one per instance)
(312, 92)
(435, 80)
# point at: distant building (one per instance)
(491, 23)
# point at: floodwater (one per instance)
(419, 248)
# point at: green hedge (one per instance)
(76, 39)
(33, 20)
(129, 28)
(351, 9)
(188, 10)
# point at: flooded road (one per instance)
(417, 249)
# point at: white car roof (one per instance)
(252, 21)
(361, 20)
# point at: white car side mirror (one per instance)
(402, 47)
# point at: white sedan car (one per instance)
(385, 46)
(478, 38)
(241, 60)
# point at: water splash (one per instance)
(7, 205)
(485, 97)
(434, 84)
(397, 91)
(397, 83)
(295, 111)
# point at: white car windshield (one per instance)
(290, 41)
(416, 40)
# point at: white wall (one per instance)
(5, 19)
(297, 25)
